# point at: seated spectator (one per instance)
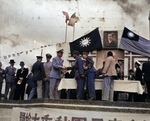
(131, 75)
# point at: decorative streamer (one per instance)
(18, 54)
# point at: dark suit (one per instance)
(72, 72)
(2, 76)
(30, 83)
(79, 70)
(38, 76)
(71, 93)
(38, 71)
(138, 77)
(10, 81)
(146, 71)
(112, 44)
(20, 88)
(99, 72)
(119, 70)
(138, 74)
(91, 71)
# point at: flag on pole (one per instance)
(74, 19)
(134, 43)
(67, 16)
(88, 42)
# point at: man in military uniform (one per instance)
(47, 67)
(38, 77)
(79, 75)
(55, 75)
(138, 72)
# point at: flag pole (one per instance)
(41, 52)
(73, 31)
(66, 33)
(149, 24)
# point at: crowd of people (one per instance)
(44, 78)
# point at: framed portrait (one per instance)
(110, 40)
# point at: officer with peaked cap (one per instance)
(55, 75)
(138, 77)
(60, 51)
(47, 67)
(138, 63)
(38, 77)
(138, 72)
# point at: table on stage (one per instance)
(119, 85)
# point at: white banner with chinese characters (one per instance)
(50, 114)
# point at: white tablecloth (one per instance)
(119, 85)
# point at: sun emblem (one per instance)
(130, 34)
(85, 42)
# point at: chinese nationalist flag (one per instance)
(88, 42)
(132, 42)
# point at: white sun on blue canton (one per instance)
(130, 34)
(85, 42)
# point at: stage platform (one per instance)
(140, 108)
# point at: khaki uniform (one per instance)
(47, 67)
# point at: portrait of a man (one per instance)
(110, 39)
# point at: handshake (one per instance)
(64, 67)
